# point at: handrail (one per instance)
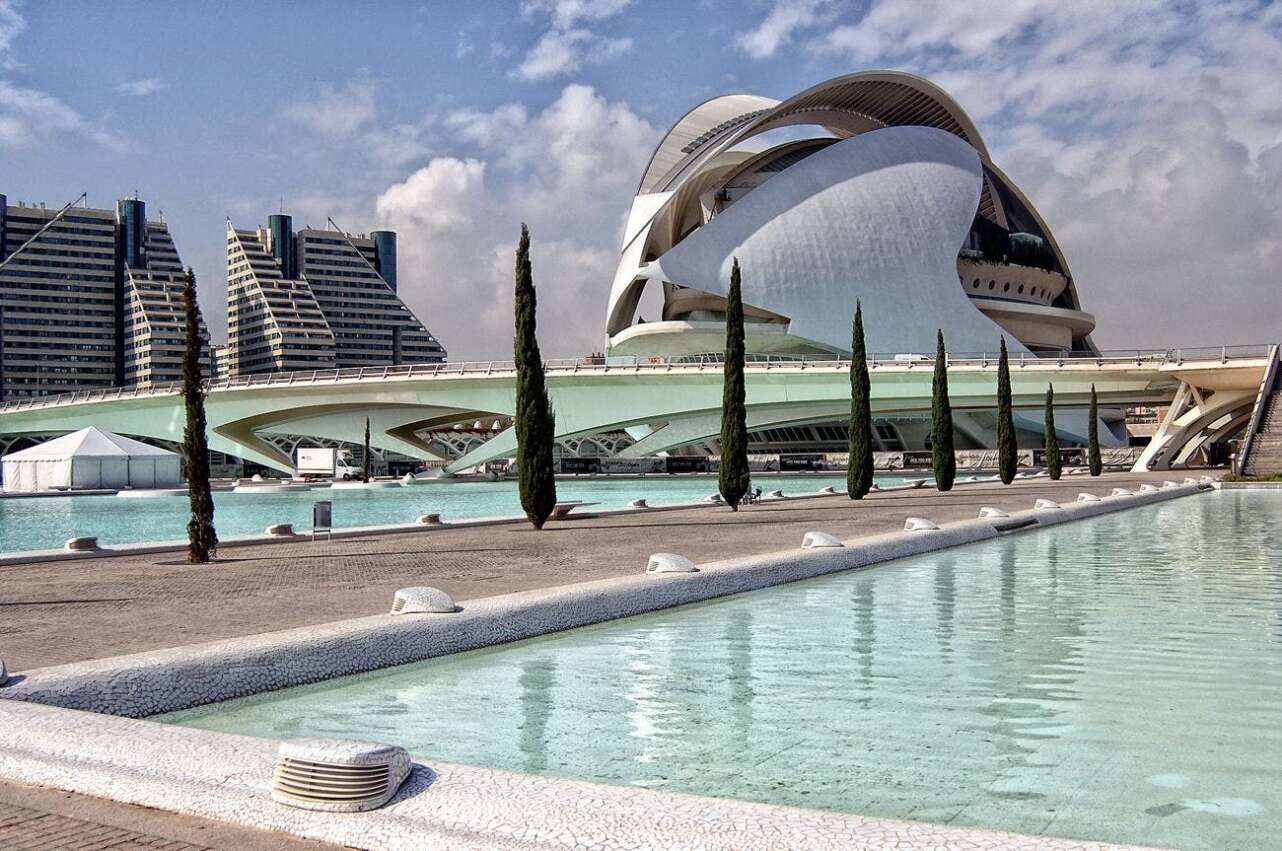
(697, 363)
(1257, 411)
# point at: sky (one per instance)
(1148, 134)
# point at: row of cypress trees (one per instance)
(859, 473)
(535, 420)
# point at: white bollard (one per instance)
(819, 540)
(422, 600)
(670, 563)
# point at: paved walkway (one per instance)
(52, 613)
(37, 818)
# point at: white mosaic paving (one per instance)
(441, 806)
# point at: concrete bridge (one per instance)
(668, 404)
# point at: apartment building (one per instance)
(317, 299)
(89, 299)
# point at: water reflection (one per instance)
(537, 679)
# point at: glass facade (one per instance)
(385, 255)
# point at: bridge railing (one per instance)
(696, 363)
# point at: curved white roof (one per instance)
(88, 443)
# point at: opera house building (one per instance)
(874, 186)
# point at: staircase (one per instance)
(1264, 457)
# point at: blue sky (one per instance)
(1149, 134)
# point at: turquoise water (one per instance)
(47, 522)
(1114, 679)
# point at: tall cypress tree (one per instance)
(734, 476)
(535, 421)
(859, 468)
(1007, 451)
(365, 457)
(942, 457)
(1092, 437)
(202, 539)
(1053, 465)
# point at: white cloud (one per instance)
(337, 112)
(140, 88)
(29, 117)
(567, 13)
(777, 28)
(11, 26)
(568, 172)
(348, 114)
(1149, 135)
(569, 43)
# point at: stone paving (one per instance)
(58, 612)
(33, 817)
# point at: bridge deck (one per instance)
(72, 611)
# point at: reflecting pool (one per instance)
(1113, 679)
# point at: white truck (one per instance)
(326, 464)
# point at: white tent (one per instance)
(89, 459)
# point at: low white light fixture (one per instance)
(280, 530)
(1121, 492)
(818, 540)
(1045, 505)
(995, 513)
(920, 524)
(827, 489)
(81, 545)
(1087, 497)
(670, 563)
(638, 503)
(422, 600)
(338, 775)
(713, 498)
(776, 495)
(1149, 488)
(432, 519)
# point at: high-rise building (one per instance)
(89, 298)
(317, 299)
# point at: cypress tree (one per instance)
(202, 539)
(1007, 451)
(1052, 440)
(734, 476)
(535, 421)
(942, 458)
(1092, 437)
(859, 468)
(365, 457)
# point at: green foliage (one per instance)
(1007, 450)
(942, 457)
(202, 539)
(1053, 465)
(365, 457)
(859, 469)
(1092, 437)
(733, 477)
(535, 421)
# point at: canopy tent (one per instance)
(90, 459)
